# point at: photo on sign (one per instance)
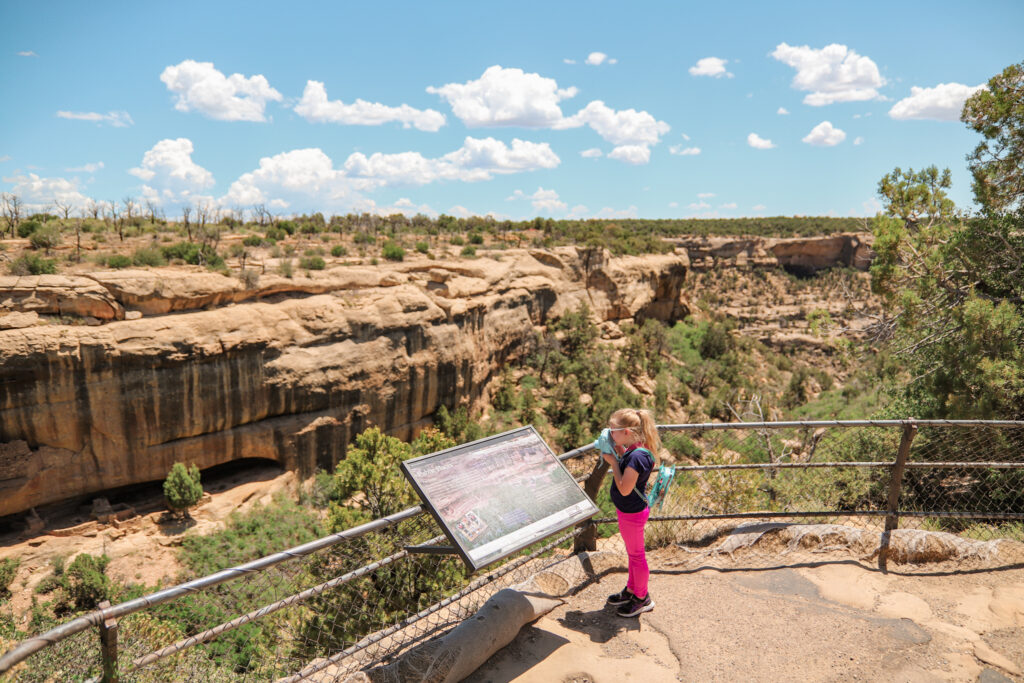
(498, 495)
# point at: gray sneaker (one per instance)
(636, 606)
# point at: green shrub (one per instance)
(392, 251)
(45, 237)
(287, 226)
(679, 444)
(8, 568)
(182, 488)
(457, 240)
(194, 254)
(312, 263)
(422, 247)
(26, 228)
(468, 251)
(275, 234)
(285, 268)
(337, 250)
(252, 241)
(149, 256)
(118, 261)
(32, 264)
(84, 583)
(476, 238)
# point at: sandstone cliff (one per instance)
(192, 366)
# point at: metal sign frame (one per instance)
(524, 440)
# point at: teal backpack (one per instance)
(662, 479)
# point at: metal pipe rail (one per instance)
(99, 618)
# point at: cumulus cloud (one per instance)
(697, 206)
(624, 128)
(599, 58)
(858, 140)
(631, 154)
(86, 168)
(825, 135)
(27, 53)
(757, 142)
(403, 206)
(782, 111)
(835, 73)
(760, 207)
(315, 108)
(511, 97)
(169, 175)
(201, 87)
(609, 212)
(591, 153)
(569, 61)
(117, 119)
(941, 103)
(729, 205)
(298, 177)
(542, 200)
(506, 97)
(38, 194)
(710, 66)
(705, 195)
(684, 151)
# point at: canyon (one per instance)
(108, 378)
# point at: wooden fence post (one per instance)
(587, 540)
(108, 646)
(892, 519)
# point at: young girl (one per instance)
(636, 439)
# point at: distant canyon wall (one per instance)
(183, 365)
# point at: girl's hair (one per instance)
(641, 423)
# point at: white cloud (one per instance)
(858, 140)
(683, 151)
(511, 97)
(169, 175)
(697, 206)
(627, 127)
(477, 159)
(673, 205)
(782, 111)
(591, 153)
(710, 66)
(685, 136)
(631, 154)
(578, 211)
(760, 207)
(460, 211)
(542, 200)
(315, 108)
(506, 97)
(403, 206)
(825, 135)
(729, 205)
(27, 53)
(117, 119)
(941, 103)
(200, 87)
(835, 73)
(705, 195)
(301, 177)
(569, 61)
(757, 142)
(598, 58)
(5, 157)
(38, 194)
(857, 116)
(608, 212)
(86, 168)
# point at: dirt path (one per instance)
(837, 622)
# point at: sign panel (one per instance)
(498, 495)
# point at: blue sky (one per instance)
(655, 110)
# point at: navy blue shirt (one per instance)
(641, 460)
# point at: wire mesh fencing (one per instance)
(744, 495)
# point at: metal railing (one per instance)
(356, 598)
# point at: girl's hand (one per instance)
(609, 458)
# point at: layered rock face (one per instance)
(193, 367)
(799, 255)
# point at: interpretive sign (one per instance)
(498, 495)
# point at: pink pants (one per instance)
(631, 526)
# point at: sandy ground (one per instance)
(841, 621)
